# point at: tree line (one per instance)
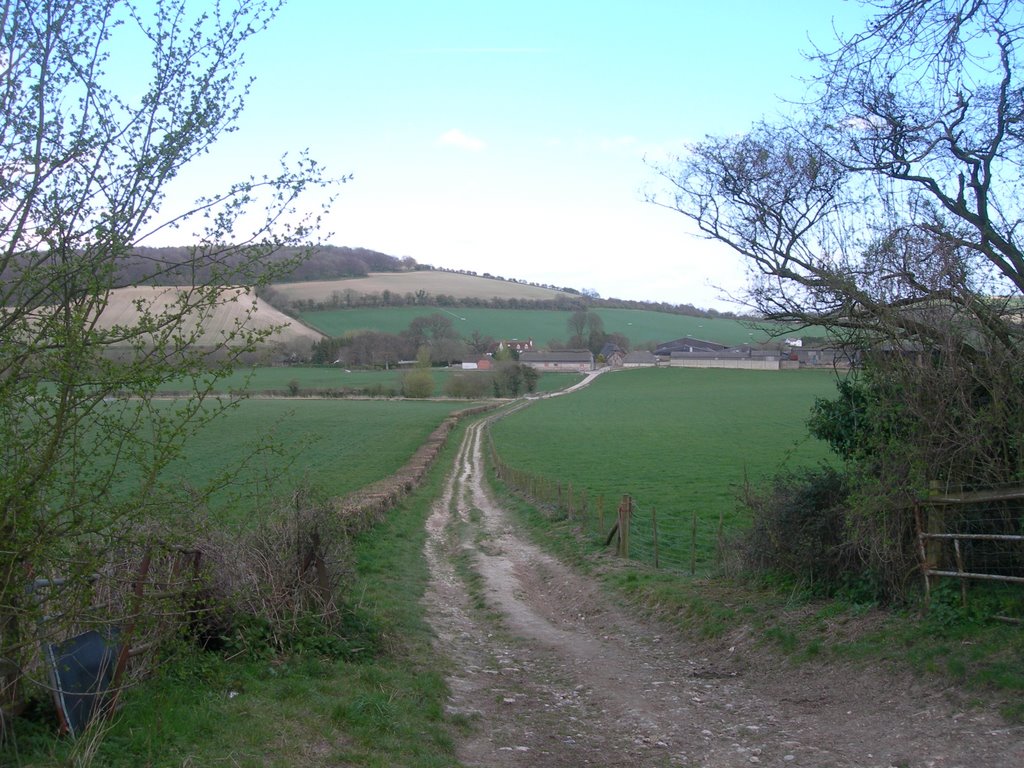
(436, 337)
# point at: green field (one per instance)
(639, 326)
(312, 380)
(333, 446)
(680, 441)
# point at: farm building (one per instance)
(612, 354)
(689, 345)
(564, 360)
(744, 357)
(639, 359)
(827, 357)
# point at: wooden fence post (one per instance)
(935, 522)
(625, 514)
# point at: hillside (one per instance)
(542, 325)
(397, 286)
(122, 309)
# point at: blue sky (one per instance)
(510, 137)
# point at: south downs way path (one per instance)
(550, 672)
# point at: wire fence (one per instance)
(973, 535)
(682, 542)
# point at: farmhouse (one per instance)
(564, 360)
(517, 346)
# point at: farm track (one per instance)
(547, 671)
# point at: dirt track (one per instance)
(550, 673)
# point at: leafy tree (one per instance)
(888, 211)
(84, 444)
(512, 379)
(419, 382)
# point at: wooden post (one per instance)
(654, 531)
(935, 522)
(625, 513)
(922, 553)
(960, 570)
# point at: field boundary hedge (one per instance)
(364, 508)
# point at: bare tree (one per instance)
(577, 326)
(889, 211)
(83, 175)
(897, 186)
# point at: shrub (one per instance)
(418, 383)
(278, 577)
(799, 529)
(468, 385)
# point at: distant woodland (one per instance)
(331, 262)
(327, 262)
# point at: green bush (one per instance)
(418, 383)
(469, 385)
(799, 529)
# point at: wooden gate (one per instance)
(975, 535)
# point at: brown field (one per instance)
(122, 310)
(433, 282)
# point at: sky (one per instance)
(517, 139)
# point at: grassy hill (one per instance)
(344, 308)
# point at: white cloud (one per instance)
(456, 138)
